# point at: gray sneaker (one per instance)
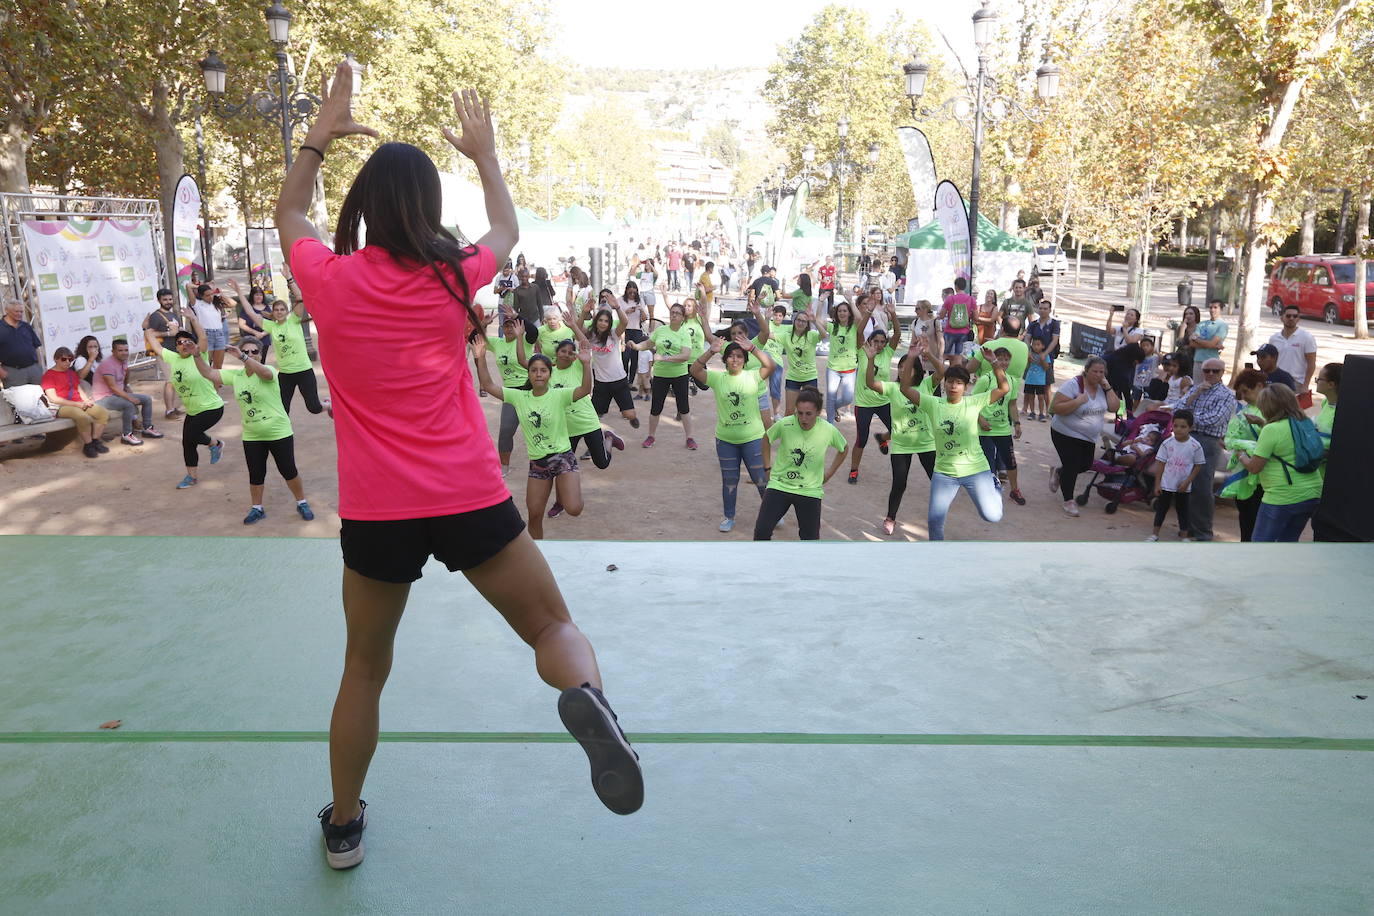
(616, 776)
(343, 844)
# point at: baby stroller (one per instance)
(1120, 483)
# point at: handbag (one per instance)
(29, 403)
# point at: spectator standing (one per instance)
(826, 273)
(1291, 494)
(110, 390)
(1018, 300)
(1076, 425)
(898, 271)
(210, 312)
(1045, 329)
(62, 388)
(19, 343)
(525, 300)
(1183, 339)
(1212, 405)
(253, 310)
(1267, 358)
(1241, 435)
(1210, 335)
(767, 279)
(674, 267)
(957, 315)
(159, 333)
(1297, 353)
(1176, 466)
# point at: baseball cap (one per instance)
(1266, 350)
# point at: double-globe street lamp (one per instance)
(841, 169)
(984, 101)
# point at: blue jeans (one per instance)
(981, 487)
(775, 386)
(839, 391)
(730, 456)
(1283, 524)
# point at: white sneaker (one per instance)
(726, 524)
(1071, 508)
(1153, 537)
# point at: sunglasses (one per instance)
(1212, 371)
(62, 359)
(250, 352)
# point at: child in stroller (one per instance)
(1122, 475)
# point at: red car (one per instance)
(1321, 286)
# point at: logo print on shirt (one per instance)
(798, 456)
(536, 419)
(947, 427)
(733, 398)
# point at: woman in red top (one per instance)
(418, 473)
(62, 388)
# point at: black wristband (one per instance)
(317, 152)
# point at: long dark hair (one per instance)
(397, 193)
(804, 283)
(631, 287)
(602, 337)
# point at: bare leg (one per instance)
(536, 498)
(569, 489)
(372, 610)
(686, 420)
(856, 455)
(791, 402)
(518, 583)
(296, 487)
(653, 425)
(255, 494)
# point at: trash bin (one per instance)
(1185, 291)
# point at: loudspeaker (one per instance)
(1347, 507)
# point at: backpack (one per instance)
(1308, 450)
(766, 296)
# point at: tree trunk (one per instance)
(1212, 252)
(1361, 249)
(1011, 212)
(170, 167)
(14, 165)
(1133, 259)
(1183, 235)
(1261, 214)
(1309, 232)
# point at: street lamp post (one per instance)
(987, 103)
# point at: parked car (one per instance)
(1320, 285)
(1050, 259)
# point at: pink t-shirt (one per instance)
(108, 366)
(412, 438)
(957, 312)
(674, 260)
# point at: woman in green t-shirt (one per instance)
(739, 422)
(293, 360)
(846, 324)
(511, 351)
(800, 346)
(868, 402)
(583, 424)
(802, 299)
(959, 459)
(266, 425)
(1290, 495)
(543, 414)
(910, 435)
(672, 349)
(204, 406)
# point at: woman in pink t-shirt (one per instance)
(418, 473)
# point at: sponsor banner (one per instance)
(266, 264)
(952, 214)
(94, 276)
(920, 166)
(185, 230)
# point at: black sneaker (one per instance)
(616, 776)
(343, 845)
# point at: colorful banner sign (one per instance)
(920, 166)
(952, 214)
(264, 257)
(95, 276)
(186, 230)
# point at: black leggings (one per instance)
(288, 382)
(1248, 509)
(658, 387)
(596, 444)
(901, 470)
(775, 505)
(629, 357)
(1075, 457)
(619, 391)
(283, 452)
(193, 434)
(1180, 503)
(863, 417)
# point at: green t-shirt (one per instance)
(799, 455)
(737, 405)
(863, 395)
(288, 340)
(1275, 442)
(668, 342)
(775, 346)
(542, 419)
(997, 414)
(582, 416)
(955, 428)
(800, 300)
(513, 375)
(1326, 419)
(756, 364)
(549, 339)
(696, 337)
(910, 432)
(264, 417)
(1020, 356)
(195, 390)
(843, 347)
(801, 355)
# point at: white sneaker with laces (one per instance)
(1071, 508)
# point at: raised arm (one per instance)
(907, 375)
(478, 143)
(207, 372)
(765, 329)
(870, 374)
(698, 368)
(819, 325)
(250, 364)
(1003, 385)
(584, 389)
(520, 355)
(202, 342)
(766, 365)
(894, 337)
(334, 120)
(479, 360)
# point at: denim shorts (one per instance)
(798, 386)
(217, 338)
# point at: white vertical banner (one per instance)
(264, 254)
(185, 230)
(952, 214)
(920, 166)
(94, 276)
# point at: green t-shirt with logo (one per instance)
(955, 428)
(799, 455)
(843, 347)
(695, 336)
(668, 342)
(543, 419)
(801, 355)
(581, 416)
(910, 432)
(549, 339)
(264, 417)
(288, 340)
(737, 405)
(997, 414)
(863, 395)
(800, 300)
(1275, 442)
(196, 391)
(513, 375)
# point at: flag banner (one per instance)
(920, 166)
(186, 230)
(952, 214)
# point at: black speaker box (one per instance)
(1347, 507)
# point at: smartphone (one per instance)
(1118, 308)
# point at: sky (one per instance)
(720, 33)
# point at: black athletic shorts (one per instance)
(396, 551)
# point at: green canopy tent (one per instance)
(930, 268)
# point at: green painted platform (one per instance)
(826, 728)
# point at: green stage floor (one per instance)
(825, 728)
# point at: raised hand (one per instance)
(234, 351)
(336, 107)
(234, 284)
(478, 138)
(479, 348)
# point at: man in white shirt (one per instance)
(1297, 350)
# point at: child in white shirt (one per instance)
(1177, 463)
